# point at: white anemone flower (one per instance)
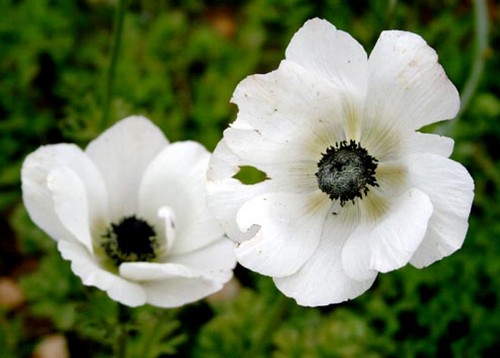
(130, 214)
(352, 188)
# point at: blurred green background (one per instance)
(179, 64)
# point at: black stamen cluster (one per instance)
(131, 240)
(346, 171)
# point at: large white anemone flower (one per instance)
(130, 214)
(352, 188)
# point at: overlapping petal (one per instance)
(331, 54)
(292, 102)
(152, 271)
(279, 249)
(322, 279)
(451, 191)
(122, 153)
(71, 204)
(176, 178)
(217, 259)
(428, 143)
(255, 149)
(407, 86)
(171, 284)
(179, 291)
(85, 266)
(39, 198)
(291, 165)
(387, 244)
(226, 195)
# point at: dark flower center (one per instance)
(346, 171)
(131, 240)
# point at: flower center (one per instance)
(346, 171)
(131, 240)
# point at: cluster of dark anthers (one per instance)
(346, 171)
(131, 240)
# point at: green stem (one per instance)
(389, 15)
(150, 338)
(272, 321)
(115, 51)
(487, 165)
(122, 335)
(481, 30)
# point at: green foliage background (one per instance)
(179, 65)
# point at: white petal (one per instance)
(445, 235)
(389, 243)
(70, 203)
(331, 54)
(407, 86)
(177, 179)
(84, 266)
(38, 198)
(294, 177)
(253, 148)
(225, 198)
(223, 163)
(168, 215)
(447, 182)
(429, 143)
(292, 166)
(451, 190)
(170, 285)
(122, 153)
(293, 104)
(226, 195)
(217, 259)
(151, 271)
(176, 292)
(290, 230)
(322, 280)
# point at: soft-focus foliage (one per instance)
(179, 65)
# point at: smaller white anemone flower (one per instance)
(352, 188)
(130, 214)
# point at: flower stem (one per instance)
(276, 313)
(115, 51)
(122, 335)
(487, 165)
(148, 343)
(389, 14)
(481, 29)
